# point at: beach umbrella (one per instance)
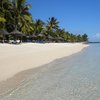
(31, 37)
(40, 35)
(34, 36)
(4, 32)
(49, 37)
(17, 33)
(60, 38)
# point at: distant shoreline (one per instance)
(93, 42)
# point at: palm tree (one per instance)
(4, 5)
(39, 30)
(67, 36)
(3, 9)
(2, 21)
(60, 34)
(38, 26)
(52, 25)
(72, 38)
(21, 15)
(84, 38)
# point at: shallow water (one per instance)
(71, 78)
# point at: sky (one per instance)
(76, 16)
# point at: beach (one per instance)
(19, 62)
(72, 77)
(17, 58)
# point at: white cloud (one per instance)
(97, 36)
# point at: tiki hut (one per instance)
(31, 38)
(34, 38)
(4, 33)
(17, 35)
(60, 39)
(40, 37)
(50, 38)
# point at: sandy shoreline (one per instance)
(17, 58)
(18, 62)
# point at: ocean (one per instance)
(71, 78)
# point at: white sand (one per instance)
(17, 58)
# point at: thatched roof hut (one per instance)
(33, 36)
(50, 37)
(17, 33)
(4, 32)
(40, 35)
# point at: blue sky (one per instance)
(76, 16)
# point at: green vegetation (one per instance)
(15, 15)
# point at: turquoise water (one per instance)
(71, 78)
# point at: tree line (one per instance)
(14, 14)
